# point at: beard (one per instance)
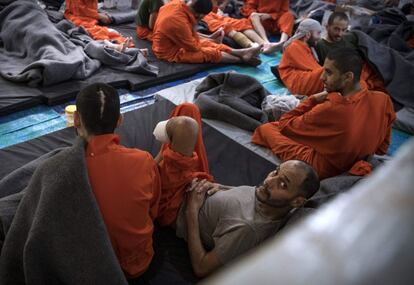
(312, 42)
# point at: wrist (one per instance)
(192, 211)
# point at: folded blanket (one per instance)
(233, 98)
(58, 235)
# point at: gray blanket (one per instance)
(233, 98)
(396, 69)
(42, 54)
(58, 235)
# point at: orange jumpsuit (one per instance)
(282, 20)
(333, 135)
(177, 171)
(85, 13)
(175, 40)
(127, 188)
(301, 73)
(144, 33)
(299, 70)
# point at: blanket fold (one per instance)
(57, 234)
(233, 98)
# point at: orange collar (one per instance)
(101, 144)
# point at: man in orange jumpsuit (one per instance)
(270, 16)
(182, 158)
(299, 68)
(85, 13)
(335, 130)
(125, 181)
(240, 30)
(175, 40)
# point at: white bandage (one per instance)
(160, 132)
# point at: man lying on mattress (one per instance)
(221, 223)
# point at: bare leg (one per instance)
(249, 55)
(258, 26)
(183, 132)
(228, 58)
(252, 35)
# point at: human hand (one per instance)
(196, 193)
(104, 18)
(320, 97)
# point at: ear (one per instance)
(298, 202)
(349, 76)
(77, 120)
(120, 120)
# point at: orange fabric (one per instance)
(215, 22)
(371, 80)
(127, 188)
(85, 13)
(282, 20)
(144, 33)
(299, 70)
(361, 168)
(331, 136)
(177, 170)
(175, 40)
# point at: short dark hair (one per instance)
(202, 6)
(310, 184)
(347, 60)
(337, 15)
(99, 108)
(406, 8)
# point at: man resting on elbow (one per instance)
(221, 227)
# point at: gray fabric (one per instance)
(405, 120)
(37, 53)
(44, 54)
(229, 223)
(396, 69)
(233, 98)
(58, 235)
(121, 16)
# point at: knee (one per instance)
(254, 16)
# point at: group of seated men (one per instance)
(133, 189)
(345, 118)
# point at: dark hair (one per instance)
(311, 183)
(99, 108)
(406, 9)
(347, 60)
(337, 15)
(202, 6)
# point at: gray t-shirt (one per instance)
(228, 222)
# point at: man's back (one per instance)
(126, 185)
(229, 222)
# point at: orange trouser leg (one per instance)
(144, 33)
(268, 135)
(285, 23)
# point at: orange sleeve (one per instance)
(383, 148)
(249, 7)
(181, 33)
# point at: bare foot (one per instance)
(254, 61)
(251, 54)
(218, 36)
(144, 52)
(272, 47)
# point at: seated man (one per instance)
(240, 30)
(175, 40)
(333, 132)
(299, 68)
(181, 159)
(270, 16)
(338, 37)
(224, 226)
(146, 16)
(85, 13)
(125, 181)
